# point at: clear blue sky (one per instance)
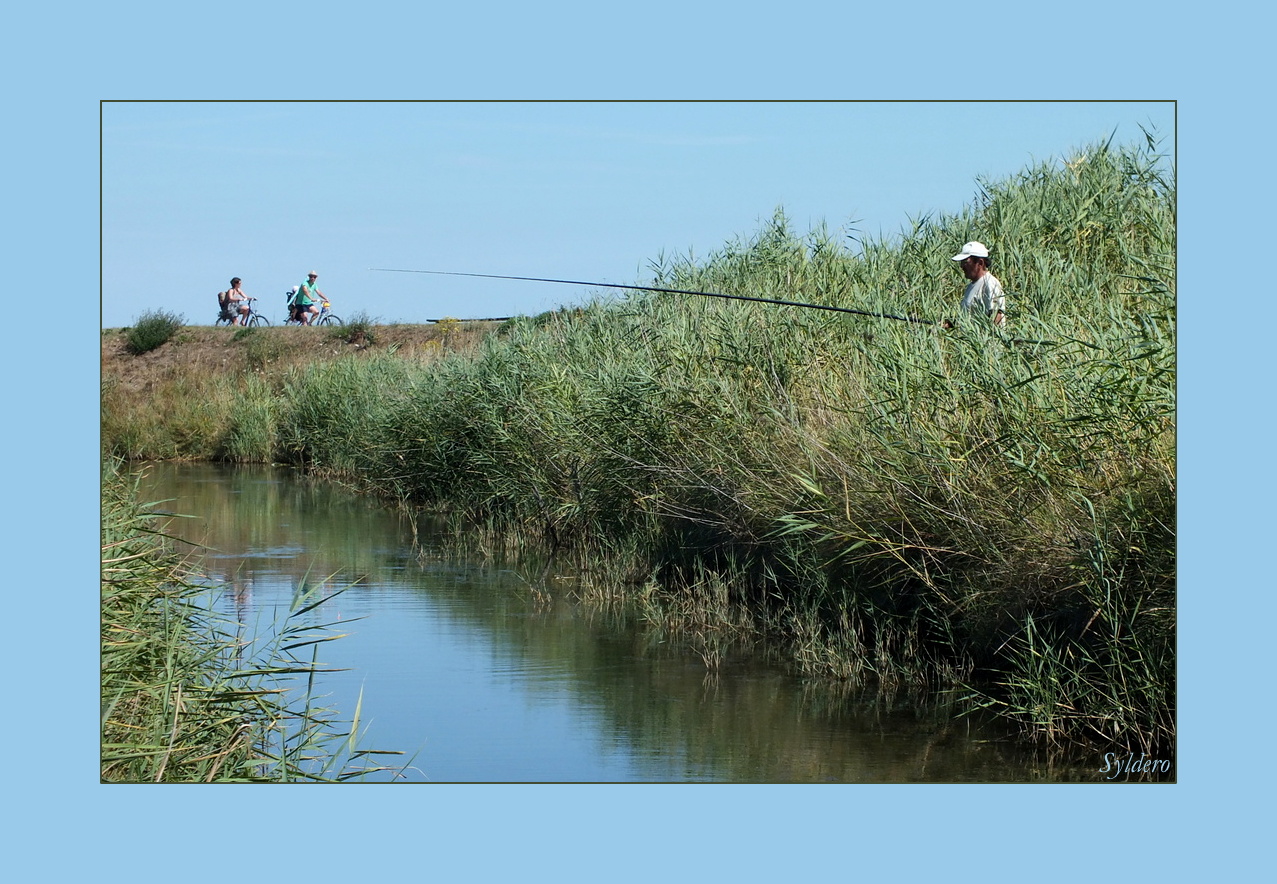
(194, 193)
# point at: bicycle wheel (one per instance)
(256, 319)
(331, 319)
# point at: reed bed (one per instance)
(185, 698)
(892, 501)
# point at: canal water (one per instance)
(483, 672)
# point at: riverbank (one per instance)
(179, 400)
(889, 502)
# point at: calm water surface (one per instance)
(467, 666)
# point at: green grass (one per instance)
(359, 329)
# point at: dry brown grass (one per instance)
(210, 351)
(184, 398)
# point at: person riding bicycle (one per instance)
(306, 301)
(234, 303)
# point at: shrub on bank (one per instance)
(152, 329)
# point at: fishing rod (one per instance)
(647, 288)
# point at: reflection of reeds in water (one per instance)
(184, 698)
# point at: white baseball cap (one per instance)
(977, 249)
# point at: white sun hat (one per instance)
(978, 249)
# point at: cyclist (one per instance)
(306, 301)
(234, 303)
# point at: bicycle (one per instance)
(325, 317)
(226, 317)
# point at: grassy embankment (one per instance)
(894, 501)
(184, 699)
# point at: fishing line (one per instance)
(648, 288)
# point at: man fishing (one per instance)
(983, 293)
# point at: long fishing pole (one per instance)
(648, 288)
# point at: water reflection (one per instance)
(466, 666)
